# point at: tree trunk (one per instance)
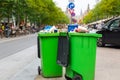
(18, 15)
(25, 20)
(8, 18)
(18, 20)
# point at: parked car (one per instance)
(110, 33)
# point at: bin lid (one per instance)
(73, 25)
(85, 34)
(47, 34)
(63, 34)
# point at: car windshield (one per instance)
(106, 24)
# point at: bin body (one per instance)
(63, 49)
(38, 46)
(82, 55)
(48, 50)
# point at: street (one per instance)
(108, 63)
(14, 46)
(22, 62)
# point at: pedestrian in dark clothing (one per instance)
(7, 30)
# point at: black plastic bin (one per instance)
(38, 46)
(63, 49)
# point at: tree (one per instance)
(6, 8)
(104, 9)
(47, 12)
(36, 11)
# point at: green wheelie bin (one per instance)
(82, 56)
(48, 53)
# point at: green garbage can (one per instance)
(48, 53)
(82, 56)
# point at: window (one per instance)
(115, 24)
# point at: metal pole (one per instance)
(71, 19)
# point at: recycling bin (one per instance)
(71, 27)
(82, 56)
(48, 54)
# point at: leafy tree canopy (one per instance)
(104, 9)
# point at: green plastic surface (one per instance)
(85, 34)
(82, 55)
(63, 34)
(48, 34)
(48, 48)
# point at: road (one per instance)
(13, 46)
(108, 63)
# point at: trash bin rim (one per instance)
(48, 34)
(63, 34)
(86, 34)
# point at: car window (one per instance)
(106, 24)
(115, 24)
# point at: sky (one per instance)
(79, 5)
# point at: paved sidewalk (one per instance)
(107, 67)
(23, 65)
(13, 64)
(29, 72)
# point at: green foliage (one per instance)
(47, 12)
(39, 11)
(89, 17)
(104, 9)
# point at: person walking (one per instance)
(2, 28)
(1, 32)
(7, 30)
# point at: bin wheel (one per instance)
(77, 77)
(67, 78)
(39, 70)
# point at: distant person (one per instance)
(3, 27)
(7, 30)
(1, 32)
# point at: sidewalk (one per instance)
(29, 72)
(13, 64)
(23, 65)
(107, 65)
